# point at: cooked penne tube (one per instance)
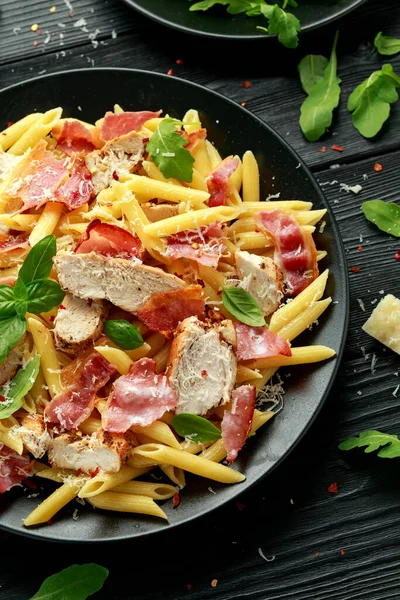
(38, 129)
(154, 172)
(252, 240)
(8, 423)
(106, 481)
(47, 222)
(249, 208)
(305, 319)
(175, 474)
(188, 462)
(157, 491)
(161, 357)
(191, 121)
(11, 439)
(246, 374)
(15, 132)
(51, 505)
(266, 375)
(198, 182)
(321, 254)
(212, 277)
(59, 475)
(251, 178)
(191, 220)
(160, 432)
(19, 222)
(213, 155)
(48, 358)
(127, 503)
(202, 162)
(90, 425)
(156, 342)
(151, 188)
(116, 357)
(301, 355)
(236, 178)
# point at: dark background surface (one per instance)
(320, 545)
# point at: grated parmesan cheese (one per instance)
(384, 323)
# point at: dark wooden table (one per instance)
(319, 545)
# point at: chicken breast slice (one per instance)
(261, 278)
(158, 212)
(34, 435)
(78, 323)
(125, 283)
(101, 450)
(116, 157)
(13, 360)
(201, 367)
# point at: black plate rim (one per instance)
(32, 533)
(220, 36)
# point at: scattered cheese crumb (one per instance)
(356, 189)
(361, 303)
(261, 553)
(395, 391)
(34, 27)
(53, 9)
(214, 583)
(384, 323)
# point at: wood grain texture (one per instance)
(319, 545)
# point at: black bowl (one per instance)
(87, 94)
(216, 23)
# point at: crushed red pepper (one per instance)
(360, 248)
(342, 552)
(170, 72)
(355, 269)
(378, 167)
(243, 104)
(179, 61)
(397, 255)
(322, 149)
(2, 398)
(176, 500)
(10, 123)
(333, 488)
(36, 43)
(189, 586)
(337, 148)
(246, 84)
(316, 554)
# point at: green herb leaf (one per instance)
(385, 215)
(167, 151)
(242, 306)
(7, 301)
(38, 262)
(206, 4)
(123, 334)
(386, 45)
(286, 26)
(77, 582)
(312, 70)
(316, 112)
(44, 295)
(20, 291)
(195, 428)
(373, 440)
(11, 330)
(370, 101)
(15, 392)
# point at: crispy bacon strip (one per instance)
(193, 139)
(115, 125)
(73, 137)
(109, 240)
(10, 242)
(204, 245)
(138, 398)
(217, 182)
(164, 311)
(259, 342)
(78, 189)
(13, 468)
(236, 423)
(70, 408)
(295, 251)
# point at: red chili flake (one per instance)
(243, 104)
(30, 484)
(176, 500)
(49, 522)
(10, 123)
(360, 248)
(189, 586)
(170, 72)
(61, 307)
(90, 302)
(337, 148)
(316, 554)
(322, 149)
(79, 472)
(70, 14)
(94, 473)
(240, 505)
(109, 203)
(333, 488)
(115, 176)
(2, 398)
(397, 255)
(36, 43)
(52, 318)
(342, 552)
(179, 61)
(246, 84)
(355, 269)
(204, 373)
(378, 167)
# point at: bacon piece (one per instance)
(73, 137)
(115, 125)
(236, 423)
(295, 251)
(78, 189)
(72, 407)
(138, 398)
(10, 280)
(203, 245)
(193, 139)
(217, 182)
(164, 311)
(13, 468)
(259, 342)
(8, 243)
(109, 240)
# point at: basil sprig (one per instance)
(76, 582)
(385, 215)
(123, 334)
(195, 428)
(242, 306)
(15, 391)
(33, 292)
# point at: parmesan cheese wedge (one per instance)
(384, 323)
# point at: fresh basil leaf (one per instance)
(242, 306)
(386, 45)
(370, 101)
(311, 70)
(123, 334)
(7, 301)
(195, 428)
(15, 392)
(11, 330)
(385, 215)
(20, 291)
(285, 25)
(76, 582)
(373, 440)
(166, 148)
(44, 295)
(316, 112)
(38, 262)
(21, 308)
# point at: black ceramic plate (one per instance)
(216, 23)
(233, 130)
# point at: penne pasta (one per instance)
(106, 481)
(47, 222)
(52, 505)
(191, 220)
(151, 188)
(37, 130)
(251, 178)
(45, 347)
(128, 503)
(157, 491)
(300, 356)
(16, 131)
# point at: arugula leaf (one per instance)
(285, 25)
(123, 334)
(195, 428)
(76, 582)
(386, 45)
(44, 295)
(242, 306)
(7, 302)
(38, 262)
(385, 215)
(316, 112)
(11, 330)
(19, 386)
(206, 4)
(167, 151)
(370, 101)
(373, 440)
(311, 70)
